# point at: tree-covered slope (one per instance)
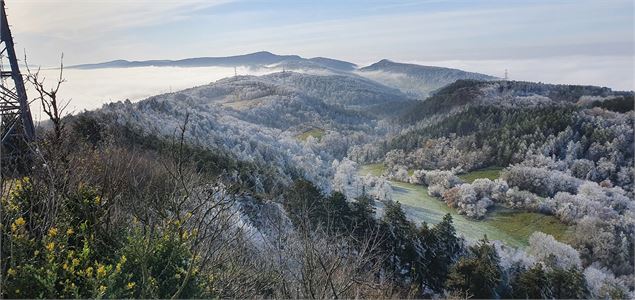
(464, 93)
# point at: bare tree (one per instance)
(320, 262)
(52, 106)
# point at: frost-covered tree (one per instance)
(603, 284)
(351, 184)
(547, 249)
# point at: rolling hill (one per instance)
(416, 80)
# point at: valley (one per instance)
(510, 227)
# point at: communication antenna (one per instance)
(506, 75)
(235, 72)
(16, 126)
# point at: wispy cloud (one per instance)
(91, 18)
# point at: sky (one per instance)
(559, 41)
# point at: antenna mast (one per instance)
(17, 124)
(506, 75)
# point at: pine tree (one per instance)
(399, 235)
(363, 216)
(567, 284)
(530, 284)
(477, 274)
(442, 248)
(338, 213)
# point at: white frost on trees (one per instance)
(347, 181)
(547, 249)
(602, 282)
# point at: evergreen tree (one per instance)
(530, 284)
(399, 234)
(567, 284)
(477, 274)
(363, 215)
(304, 203)
(338, 213)
(444, 248)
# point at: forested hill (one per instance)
(463, 93)
(502, 122)
(417, 80)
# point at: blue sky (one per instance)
(593, 40)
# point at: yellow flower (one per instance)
(11, 272)
(130, 285)
(89, 271)
(14, 228)
(118, 267)
(50, 246)
(53, 232)
(97, 200)
(12, 206)
(65, 266)
(75, 262)
(70, 231)
(101, 271)
(20, 221)
(102, 289)
(123, 259)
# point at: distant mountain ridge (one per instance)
(416, 81)
(257, 59)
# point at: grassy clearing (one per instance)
(489, 173)
(317, 133)
(509, 226)
(377, 169)
(520, 225)
(372, 169)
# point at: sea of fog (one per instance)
(90, 89)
